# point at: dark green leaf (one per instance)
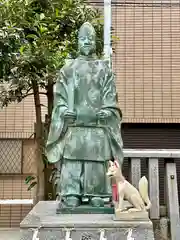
(29, 179)
(33, 184)
(32, 36)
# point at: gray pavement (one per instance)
(9, 234)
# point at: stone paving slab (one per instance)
(9, 234)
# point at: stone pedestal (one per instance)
(52, 226)
(131, 216)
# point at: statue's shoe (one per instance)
(97, 202)
(71, 202)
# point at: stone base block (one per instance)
(130, 216)
(85, 210)
(48, 225)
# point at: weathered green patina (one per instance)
(85, 129)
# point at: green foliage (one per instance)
(36, 36)
(31, 181)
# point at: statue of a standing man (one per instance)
(86, 124)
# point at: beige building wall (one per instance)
(17, 120)
(147, 62)
(17, 161)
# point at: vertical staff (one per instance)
(71, 93)
(107, 30)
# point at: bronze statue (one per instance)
(85, 127)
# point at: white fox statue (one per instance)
(139, 199)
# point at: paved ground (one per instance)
(9, 234)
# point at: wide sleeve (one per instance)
(54, 145)
(109, 94)
(113, 123)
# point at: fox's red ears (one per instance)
(116, 164)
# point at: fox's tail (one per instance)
(143, 190)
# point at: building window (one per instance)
(10, 156)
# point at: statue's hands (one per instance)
(70, 116)
(103, 114)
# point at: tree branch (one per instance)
(30, 94)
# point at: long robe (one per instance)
(84, 148)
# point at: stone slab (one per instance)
(173, 200)
(135, 171)
(130, 216)
(153, 168)
(52, 226)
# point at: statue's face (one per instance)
(87, 40)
